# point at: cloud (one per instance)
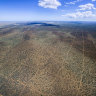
(54, 4)
(73, 2)
(85, 14)
(88, 6)
(93, 0)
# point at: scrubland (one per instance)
(48, 60)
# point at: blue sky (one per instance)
(49, 10)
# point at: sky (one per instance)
(47, 10)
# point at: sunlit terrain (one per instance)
(48, 59)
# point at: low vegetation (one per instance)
(38, 59)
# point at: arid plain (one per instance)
(48, 59)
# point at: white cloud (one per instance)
(88, 6)
(85, 14)
(85, 11)
(93, 0)
(54, 4)
(73, 2)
